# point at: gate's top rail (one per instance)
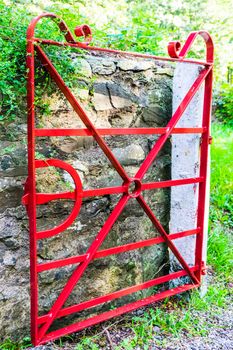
(176, 52)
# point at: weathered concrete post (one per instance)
(185, 163)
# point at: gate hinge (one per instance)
(203, 268)
(210, 140)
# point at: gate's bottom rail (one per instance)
(117, 312)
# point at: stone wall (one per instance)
(116, 92)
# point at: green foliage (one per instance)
(220, 247)
(14, 21)
(222, 175)
(87, 343)
(220, 252)
(12, 61)
(8, 344)
(214, 300)
(133, 25)
(172, 323)
(224, 104)
(143, 33)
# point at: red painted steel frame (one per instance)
(41, 325)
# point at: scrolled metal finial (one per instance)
(176, 51)
(85, 31)
(61, 24)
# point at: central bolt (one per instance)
(134, 188)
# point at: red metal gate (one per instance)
(40, 325)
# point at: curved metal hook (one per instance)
(176, 51)
(82, 30)
(61, 24)
(85, 31)
(77, 196)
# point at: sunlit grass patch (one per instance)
(220, 252)
(220, 245)
(222, 175)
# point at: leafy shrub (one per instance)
(12, 61)
(224, 104)
(133, 25)
(14, 21)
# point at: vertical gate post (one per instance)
(185, 159)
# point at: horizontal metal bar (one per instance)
(114, 250)
(80, 45)
(116, 295)
(116, 312)
(104, 191)
(169, 183)
(42, 198)
(115, 131)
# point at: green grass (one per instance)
(222, 175)
(18, 345)
(220, 247)
(220, 252)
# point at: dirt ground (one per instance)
(220, 336)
